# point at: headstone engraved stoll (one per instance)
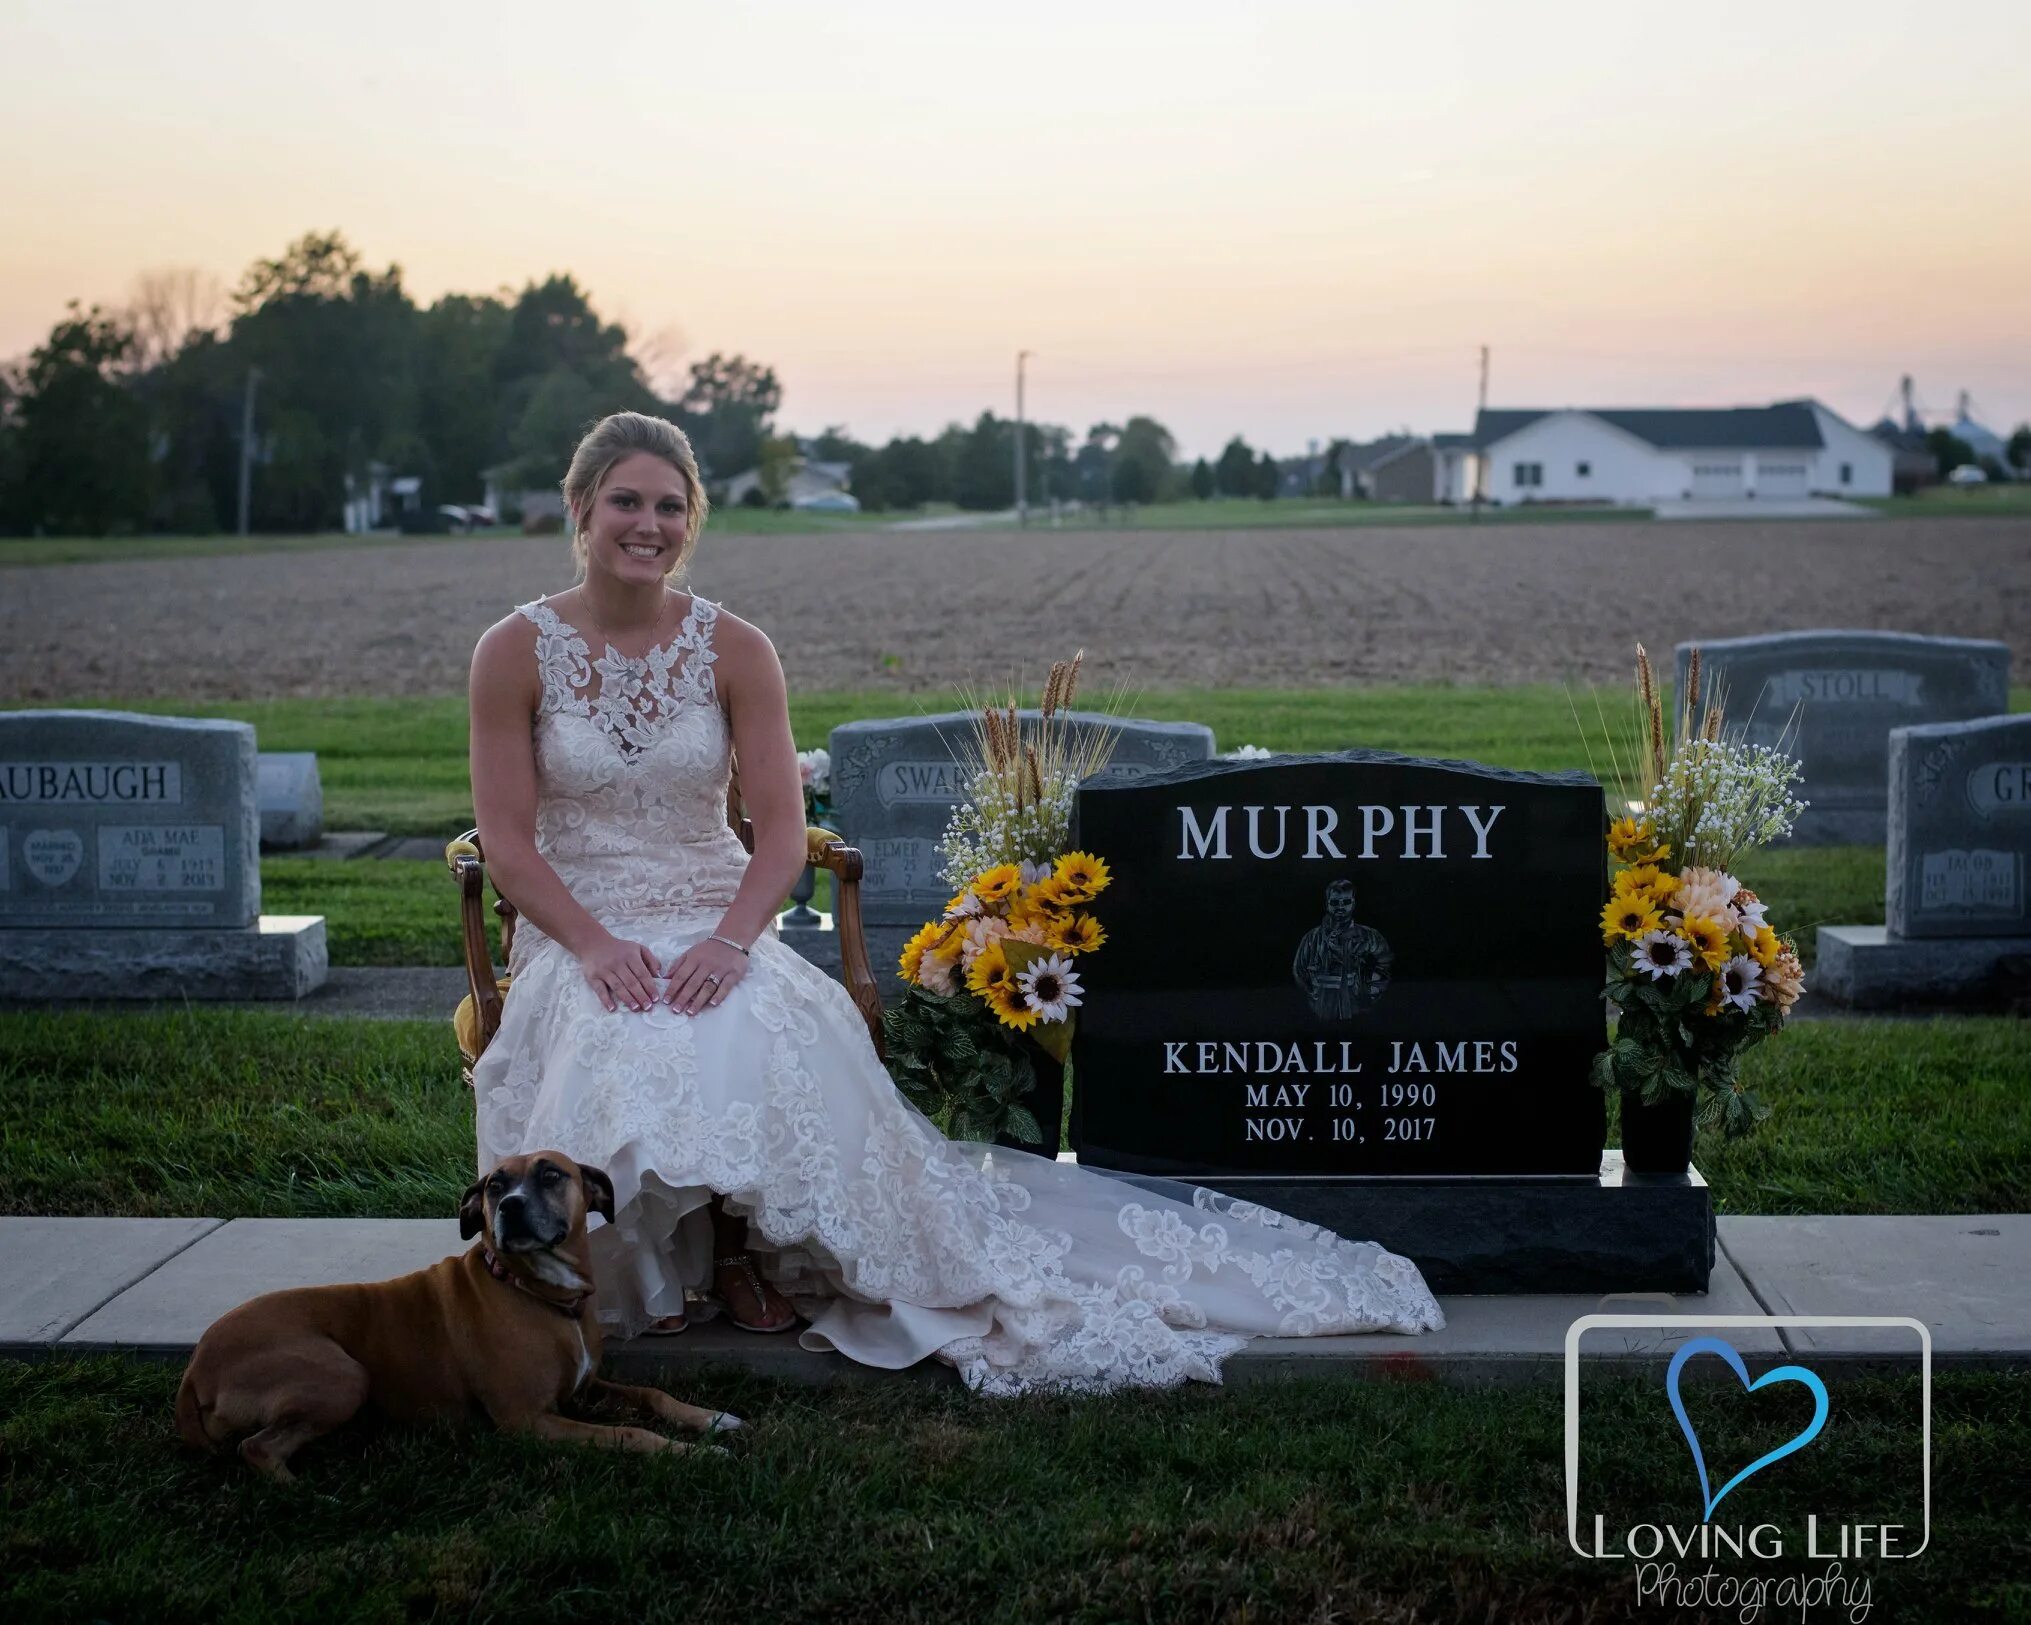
(895, 782)
(1365, 989)
(130, 863)
(1957, 877)
(1848, 691)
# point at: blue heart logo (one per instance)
(1783, 1373)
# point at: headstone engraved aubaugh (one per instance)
(130, 863)
(1957, 875)
(1846, 692)
(895, 782)
(1365, 989)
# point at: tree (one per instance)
(1234, 474)
(318, 265)
(778, 461)
(81, 437)
(168, 308)
(729, 408)
(1202, 480)
(1093, 464)
(1267, 477)
(2019, 449)
(1147, 446)
(983, 479)
(1948, 450)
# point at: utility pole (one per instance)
(1480, 462)
(1022, 447)
(247, 447)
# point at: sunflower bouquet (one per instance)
(1695, 968)
(996, 979)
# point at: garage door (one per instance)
(1717, 480)
(1779, 479)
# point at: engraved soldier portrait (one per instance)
(1342, 966)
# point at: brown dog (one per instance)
(506, 1328)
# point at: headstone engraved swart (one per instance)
(130, 863)
(1847, 691)
(895, 781)
(1957, 876)
(1365, 989)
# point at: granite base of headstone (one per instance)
(816, 939)
(895, 783)
(1832, 699)
(1957, 877)
(1311, 998)
(290, 797)
(130, 864)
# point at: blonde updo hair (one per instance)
(606, 443)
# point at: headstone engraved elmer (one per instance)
(1848, 690)
(895, 782)
(1957, 876)
(1365, 989)
(130, 863)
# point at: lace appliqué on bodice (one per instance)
(634, 697)
(632, 762)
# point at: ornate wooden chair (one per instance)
(478, 1016)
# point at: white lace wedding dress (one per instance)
(895, 1243)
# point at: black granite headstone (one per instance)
(1357, 964)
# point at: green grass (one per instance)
(1947, 501)
(399, 765)
(27, 550)
(1313, 1500)
(270, 1114)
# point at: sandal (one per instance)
(754, 1281)
(662, 1326)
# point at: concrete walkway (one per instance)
(149, 1287)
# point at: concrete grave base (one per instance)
(1618, 1232)
(280, 956)
(1865, 967)
(817, 943)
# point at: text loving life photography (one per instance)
(1096, 813)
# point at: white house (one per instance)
(1642, 457)
(809, 484)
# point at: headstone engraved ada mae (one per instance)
(1957, 875)
(130, 863)
(1365, 989)
(896, 781)
(1846, 692)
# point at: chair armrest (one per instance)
(825, 850)
(462, 857)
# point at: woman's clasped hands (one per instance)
(625, 974)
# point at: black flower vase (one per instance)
(1657, 1139)
(1046, 1103)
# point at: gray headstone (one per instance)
(1960, 829)
(895, 781)
(111, 819)
(291, 799)
(1849, 690)
(130, 863)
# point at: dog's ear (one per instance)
(472, 1211)
(599, 1192)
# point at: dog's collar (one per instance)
(568, 1307)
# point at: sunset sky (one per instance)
(1293, 224)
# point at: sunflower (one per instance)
(1075, 934)
(912, 962)
(997, 885)
(1628, 836)
(1709, 940)
(1627, 918)
(1051, 988)
(1006, 1000)
(1053, 895)
(1081, 876)
(1645, 880)
(1764, 946)
(990, 970)
(1661, 953)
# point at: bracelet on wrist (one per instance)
(736, 947)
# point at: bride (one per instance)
(657, 1028)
